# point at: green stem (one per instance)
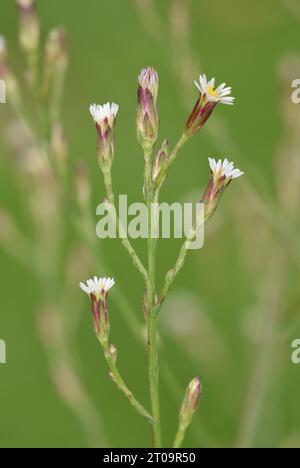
(182, 140)
(180, 435)
(124, 241)
(152, 315)
(116, 377)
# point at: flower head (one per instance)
(97, 290)
(211, 93)
(209, 97)
(98, 287)
(105, 119)
(222, 173)
(147, 114)
(159, 171)
(190, 403)
(148, 79)
(104, 116)
(221, 169)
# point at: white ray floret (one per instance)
(97, 286)
(105, 113)
(220, 94)
(224, 169)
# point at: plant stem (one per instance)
(152, 314)
(179, 436)
(124, 241)
(182, 140)
(116, 377)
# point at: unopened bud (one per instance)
(29, 25)
(113, 352)
(56, 57)
(147, 114)
(56, 47)
(190, 402)
(161, 164)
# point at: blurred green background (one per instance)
(234, 310)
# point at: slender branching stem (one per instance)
(125, 242)
(180, 435)
(152, 315)
(180, 143)
(116, 377)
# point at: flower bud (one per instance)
(190, 403)
(160, 165)
(105, 119)
(56, 47)
(147, 114)
(222, 174)
(29, 25)
(205, 104)
(55, 57)
(97, 290)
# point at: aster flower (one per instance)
(222, 173)
(147, 114)
(225, 169)
(105, 115)
(210, 93)
(97, 290)
(209, 97)
(105, 119)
